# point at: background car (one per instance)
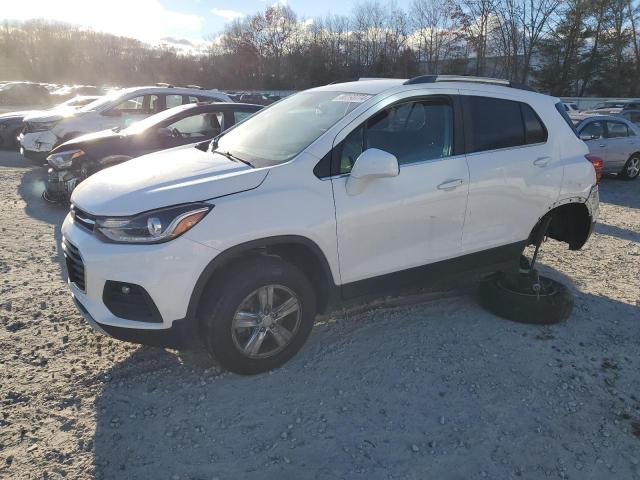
(69, 91)
(571, 107)
(615, 140)
(23, 93)
(118, 109)
(81, 157)
(11, 124)
(613, 107)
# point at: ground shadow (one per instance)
(31, 186)
(617, 191)
(397, 391)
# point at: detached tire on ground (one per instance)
(258, 315)
(505, 299)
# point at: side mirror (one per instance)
(371, 164)
(165, 132)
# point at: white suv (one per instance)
(339, 191)
(119, 109)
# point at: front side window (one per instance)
(199, 126)
(495, 123)
(412, 131)
(279, 133)
(239, 115)
(593, 130)
(617, 130)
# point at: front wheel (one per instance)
(631, 169)
(259, 315)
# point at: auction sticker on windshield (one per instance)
(352, 97)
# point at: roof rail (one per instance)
(196, 87)
(467, 78)
(162, 84)
(360, 79)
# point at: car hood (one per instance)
(11, 115)
(89, 137)
(162, 179)
(50, 115)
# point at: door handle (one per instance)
(451, 184)
(541, 161)
(602, 145)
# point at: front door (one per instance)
(593, 134)
(412, 219)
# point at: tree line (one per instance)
(563, 47)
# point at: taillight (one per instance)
(597, 166)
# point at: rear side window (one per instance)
(534, 128)
(496, 123)
(617, 130)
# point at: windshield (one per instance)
(280, 132)
(156, 119)
(107, 99)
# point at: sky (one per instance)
(154, 20)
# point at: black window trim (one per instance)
(468, 122)
(329, 166)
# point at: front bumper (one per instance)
(60, 184)
(167, 271)
(38, 142)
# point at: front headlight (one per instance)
(43, 126)
(64, 159)
(155, 226)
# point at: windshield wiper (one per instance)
(233, 158)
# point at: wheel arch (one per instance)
(571, 223)
(298, 250)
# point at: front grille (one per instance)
(75, 265)
(83, 219)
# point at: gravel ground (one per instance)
(434, 389)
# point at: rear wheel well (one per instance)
(299, 254)
(570, 223)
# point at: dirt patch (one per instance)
(434, 389)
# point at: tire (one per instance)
(237, 297)
(631, 169)
(506, 300)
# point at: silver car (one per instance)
(615, 140)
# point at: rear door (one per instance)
(412, 219)
(514, 174)
(620, 145)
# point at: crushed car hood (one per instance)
(162, 179)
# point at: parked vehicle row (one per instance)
(615, 140)
(77, 159)
(11, 124)
(340, 191)
(42, 133)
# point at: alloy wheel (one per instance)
(266, 321)
(633, 167)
